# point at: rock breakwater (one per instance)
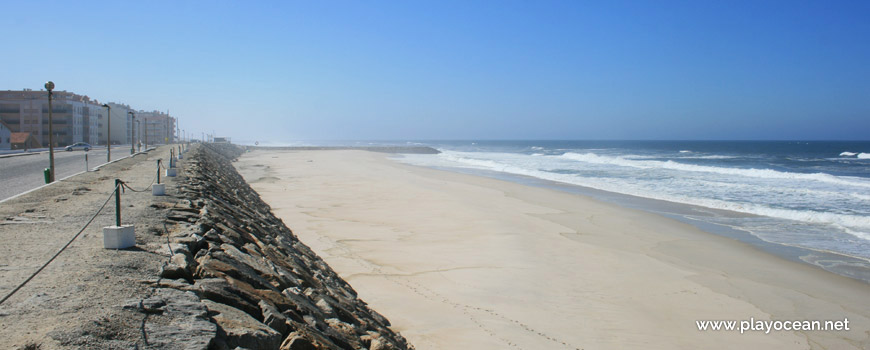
(259, 286)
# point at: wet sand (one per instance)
(462, 261)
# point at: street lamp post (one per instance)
(108, 132)
(50, 86)
(139, 126)
(132, 135)
(146, 134)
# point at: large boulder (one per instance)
(240, 329)
(183, 321)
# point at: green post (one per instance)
(118, 202)
(50, 86)
(158, 171)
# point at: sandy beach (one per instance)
(461, 261)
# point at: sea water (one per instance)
(810, 195)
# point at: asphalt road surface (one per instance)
(22, 173)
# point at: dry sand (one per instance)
(460, 261)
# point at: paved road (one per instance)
(22, 173)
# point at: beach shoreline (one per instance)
(843, 264)
(456, 259)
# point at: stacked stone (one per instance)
(262, 287)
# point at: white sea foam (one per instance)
(639, 157)
(685, 151)
(754, 173)
(708, 157)
(859, 234)
(864, 156)
(848, 154)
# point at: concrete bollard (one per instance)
(119, 237)
(158, 189)
(171, 172)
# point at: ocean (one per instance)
(806, 200)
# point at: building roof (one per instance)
(5, 126)
(19, 137)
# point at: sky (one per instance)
(438, 70)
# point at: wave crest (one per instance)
(753, 173)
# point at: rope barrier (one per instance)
(61, 249)
(139, 191)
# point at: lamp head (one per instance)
(49, 85)
(106, 105)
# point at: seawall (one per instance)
(260, 286)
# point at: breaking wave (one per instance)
(754, 173)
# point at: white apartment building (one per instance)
(122, 124)
(157, 127)
(77, 118)
(74, 117)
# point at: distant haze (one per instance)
(291, 70)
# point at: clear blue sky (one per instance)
(289, 70)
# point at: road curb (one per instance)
(21, 154)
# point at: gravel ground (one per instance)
(75, 303)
